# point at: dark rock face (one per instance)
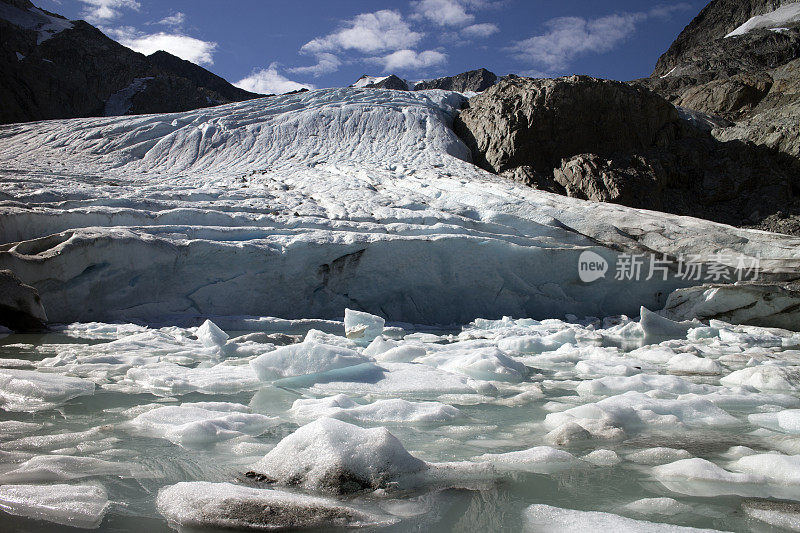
(391, 82)
(715, 21)
(537, 123)
(751, 82)
(472, 81)
(607, 141)
(75, 71)
(20, 306)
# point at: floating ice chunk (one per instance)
(81, 506)
(362, 327)
(612, 385)
(44, 468)
(699, 477)
(537, 343)
(333, 456)
(783, 515)
(635, 410)
(168, 379)
(29, 390)
(211, 336)
(656, 326)
(382, 411)
(777, 468)
(657, 506)
(315, 336)
(304, 359)
(567, 434)
(538, 460)
(401, 354)
(787, 421)
(197, 424)
(765, 377)
(658, 456)
(743, 398)
(408, 379)
(380, 345)
(690, 364)
(653, 354)
(10, 428)
(488, 364)
(602, 458)
(546, 519)
(203, 505)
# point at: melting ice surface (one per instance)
(500, 425)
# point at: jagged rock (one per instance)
(728, 97)
(390, 82)
(631, 181)
(20, 306)
(471, 81)
(715, 21)
(74, 70)
(523, 121)
(750, 303)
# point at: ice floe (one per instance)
(82, 506)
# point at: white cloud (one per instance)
(443, 12)
(270, 81)
(183, 46)
(99, 11)
(326, 63)
(666, 10)
(479, 31)
(175, 20)
(568, 37)
(367, 33)
(410, 60)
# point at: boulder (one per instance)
(20, 306)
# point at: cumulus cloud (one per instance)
(326, 63)
(270, 81)
(177, 20)
(367, 33)
(443, 12)
(480, 31)
(183, 46)
(99, 11)
(569, 37)
(411, 60)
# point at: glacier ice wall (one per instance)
(302, 205)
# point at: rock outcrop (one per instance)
(609, 141)
(472, 81)
(20, 306)
(55, 68)
(747, 71)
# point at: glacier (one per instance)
(302, 205)
(396, 391)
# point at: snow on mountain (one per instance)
(45, 24)
(783, 16)
(365, 80)
(302, 205)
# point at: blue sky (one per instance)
(279, 45)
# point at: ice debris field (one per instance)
(169, 398)
(502, 425)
